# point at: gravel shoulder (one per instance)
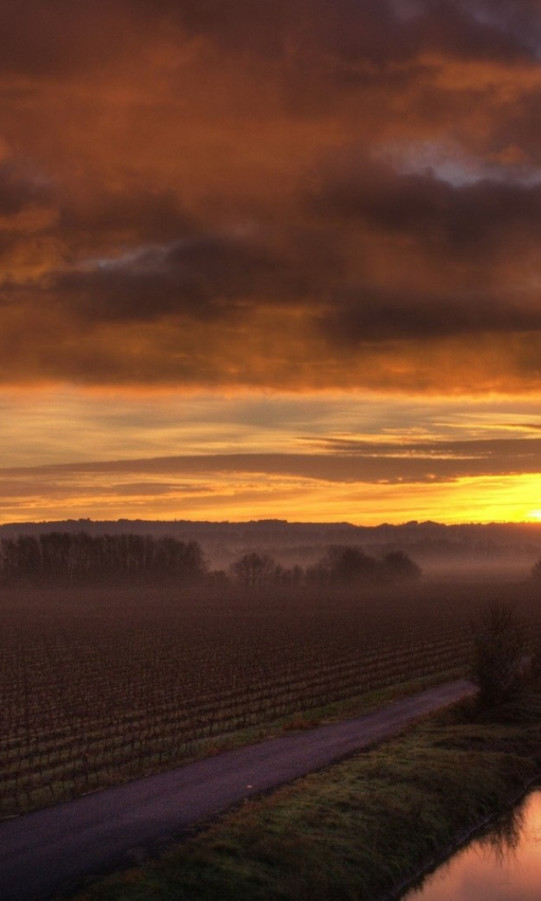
(53, 850)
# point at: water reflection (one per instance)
(503, 864)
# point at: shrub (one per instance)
(501, 658)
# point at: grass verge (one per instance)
(356, 830)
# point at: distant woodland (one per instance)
(77, 558)
(80, 558)
(431, 545)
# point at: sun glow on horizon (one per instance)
(234, 494)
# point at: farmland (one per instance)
(104, 685)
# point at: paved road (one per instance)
(53, 850)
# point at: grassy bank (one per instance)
(353, 831)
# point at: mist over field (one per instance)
(503, 550)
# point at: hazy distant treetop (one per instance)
(343, 564)
(254, 570)
(350, 565)
(397, 566)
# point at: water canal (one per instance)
(502, 864)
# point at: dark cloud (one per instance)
(369, 315)
(242, 24)
(465, 449)
(128, 217)
(340, 461)
(350, 30)
(201, 277)
(461, 218)
(20, 188)
(458, 28)
(520, 20)
(59, 37)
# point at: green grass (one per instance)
(352, 831)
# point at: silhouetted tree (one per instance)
(255, 570)
(396, 566)
(71, 557)
(347, 565)
(501, 656)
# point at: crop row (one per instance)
(94, 694)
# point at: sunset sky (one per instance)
(270, 258)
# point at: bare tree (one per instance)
(254, 570)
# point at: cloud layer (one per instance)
(302, 195)
(369, 482)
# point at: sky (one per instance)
(270, 259)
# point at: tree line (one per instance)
(80, 558)
(344, 565)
